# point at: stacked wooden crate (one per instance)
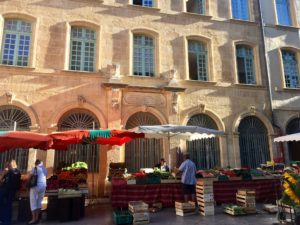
(205, 196)
(246, 199)
(139, 211)
(185, 208)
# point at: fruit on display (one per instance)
(69, 177)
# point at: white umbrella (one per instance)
(170, 130)
(286, 138)
(180, 131)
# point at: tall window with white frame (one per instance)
(240, 9)
(291, 69)
(82, 49)
(196, 6)
(143, 55)
(245, 64)
(16, 42)
(198, 63)
(146, 3)
(283, 12)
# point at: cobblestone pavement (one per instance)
(102, 215)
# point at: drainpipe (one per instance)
(262, 26)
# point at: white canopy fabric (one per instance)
(286, 138)
(170, 130)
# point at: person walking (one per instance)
(10, 183)
(188, 178)
(37, 192)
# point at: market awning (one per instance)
(23, 139)
(286, 138)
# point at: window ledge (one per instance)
(243, 21)
(290, 89)
(250, 86)
(144, 8)
(203, 16)
(285, 27)
(81, 72)
(144, 77)
(198, 82)
(17, 67)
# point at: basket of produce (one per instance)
(234, 210)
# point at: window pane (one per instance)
(245, 66)
(240, 9)
(143, 55)
(82, 51)
(291, 72)
(283, 12)
(196, 6)
(197, 61)
(16, 44)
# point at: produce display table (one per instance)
(267, 190)
(167, 194)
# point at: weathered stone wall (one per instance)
(48, 90)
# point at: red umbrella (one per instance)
(23, 139)
(61, 140)
(119, 137)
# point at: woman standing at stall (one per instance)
(37, 192)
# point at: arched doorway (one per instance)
(253, 142)
(9, 116)
(142, 153)
(89, 153)
(204, 152)
(293, 146)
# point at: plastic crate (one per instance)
(122, 217)
(141, 180)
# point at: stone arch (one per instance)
(151, 110)
(86, 106)
(257, 114)
(208, 112)
(25, 107)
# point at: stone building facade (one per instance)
(282, 44)
(121, 63)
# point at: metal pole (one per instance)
(15, 125)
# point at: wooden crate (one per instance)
(138, 207)
(207, 210)
(203, 204)
(246, 192)
(185, 205)
(184, 213)
(206, 181)
(204, 189)
(247, 205)
(205, 197)
(232, 212)
(245, 199)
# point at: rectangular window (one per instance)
(83, 49)
(146, 3)
(240, 9)
(143, 55)
(283, 12)
(197, 61)
(291, 71)
(16, 43)
(245, 65)
(196, 6)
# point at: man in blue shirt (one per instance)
(188, 178)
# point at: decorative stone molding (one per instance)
(10, 96)
(252, 110)
(81, 100)
(138, 99)
(174, 102)
(114, 72)
(201, 108)
(115, 98)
